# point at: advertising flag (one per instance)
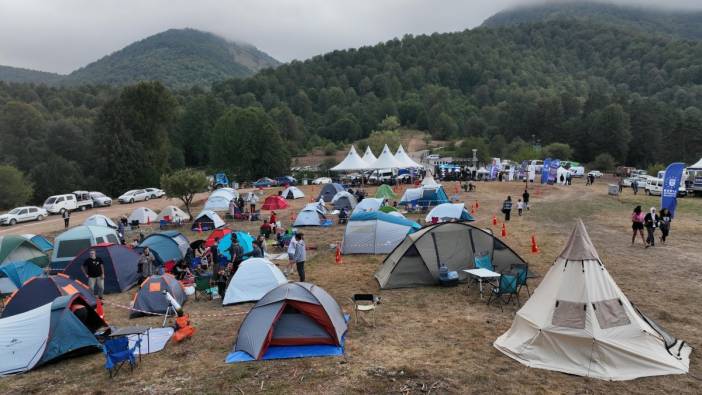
(545, 170)
(671, 185)
(553, 171)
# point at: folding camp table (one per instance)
(482, 275)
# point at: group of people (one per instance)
(522, 204)
(650, 221)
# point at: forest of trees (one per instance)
(599, 89)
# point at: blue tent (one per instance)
(47, 333)
(120, 264)
(328, 191)
(19, 272)
(164, 247)
(245, 240)
(38, 291)
(40, 241)
(425, 196)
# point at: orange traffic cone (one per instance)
(472, 210)
(338, 255)
(99, 310)
(494, 220)
(148, 220)
(534, 247)
(477, 205)
(504, 230)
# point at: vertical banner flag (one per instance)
(671, 185)
(553, 171)
(522, 170)
(545, 170)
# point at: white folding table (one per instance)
(482, 275)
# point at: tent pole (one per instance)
(436, 249)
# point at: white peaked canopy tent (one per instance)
(405, 159)
(352, 162)
(254, 278)
(579, 322)
(696, 166)
(368, 156)
(386, 160)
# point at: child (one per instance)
(520, 207)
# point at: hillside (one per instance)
(16, 74)
(687, 24)
(178, 57)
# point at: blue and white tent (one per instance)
(46, 333)
(449, 212)
(311, 215)
(375, 233)
(425, 196)
(71, 242)
(14, 274)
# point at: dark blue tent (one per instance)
(39, 291)
(328, 191)
(120, 266)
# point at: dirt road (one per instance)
(54, 223)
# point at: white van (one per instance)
(654, 186)
(57, 204)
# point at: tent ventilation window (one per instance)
(610, 313)
(569, 314)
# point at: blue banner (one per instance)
(545, 169)
(523, 170)
(553, 171)
(671, 185)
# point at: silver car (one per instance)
(23, 214)
(100, 200)
(135, 195)
(155, 193)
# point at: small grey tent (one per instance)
(311, 215)
(151, 297)
(415, 261)
(291, 321)
(328, 191)
(344, 200)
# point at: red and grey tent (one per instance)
(293, 320)
(274, 203)
(120, 266)
(38, 291)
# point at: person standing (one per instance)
(507, 207)
(525, 198)
(236, 251)
(651, 223)
(635, 186)
(300, 256)
(66, 218)
(94, 269)
(145, 265)
(637, 224)
(665, 219)
(291, 256)
(520, 207)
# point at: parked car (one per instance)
(321, 180)
(155, 193)
(134, 195)
(654, 186)
(595, 173)
(23, 214)
(265, 182)
(58, 204)
(640, 182)
(283, 180)
(100, 200)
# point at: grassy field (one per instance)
(427, 339)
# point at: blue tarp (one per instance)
(381, 216)
(19, 272)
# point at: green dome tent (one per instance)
(18, 249)
(384, 191)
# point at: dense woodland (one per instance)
(598, 88)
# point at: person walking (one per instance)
(507, 207)
(665, 219)
(520, 207)
(651, 223)
(94, 269)
(300, 256)
(635, 186)
(637, 224)
(525, 198)
(66, 218)
(291, 256)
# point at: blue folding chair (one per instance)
(483, 262)
(507, 286)
(117, 353)
(522, 272)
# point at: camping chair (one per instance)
(168, 266)
(364, 303)
(507, 286)
(483, 261)
(117, 352)
(521, 270)
(203, 287)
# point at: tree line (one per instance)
(599, 89)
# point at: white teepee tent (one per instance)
(368, 156)
(386, 160)
(352, 161)
(405, 159)
(579, 322)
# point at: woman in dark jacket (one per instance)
(664, 223)
(651, 223)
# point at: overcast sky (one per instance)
(62, 35)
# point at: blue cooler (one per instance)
(447, 278)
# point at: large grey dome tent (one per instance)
(291, 321)
(579, 322)
(415, 261)
(311, 215)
